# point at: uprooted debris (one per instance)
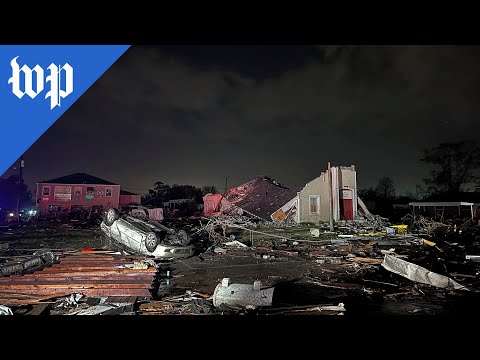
(191, 302)
(216, 228)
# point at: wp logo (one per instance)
(55, 92)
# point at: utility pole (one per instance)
(330, 196)
(19, 184)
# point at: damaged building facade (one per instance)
(311, 203)
(268, 200)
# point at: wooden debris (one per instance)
(367, 260)
(38, 309)
(92, 273)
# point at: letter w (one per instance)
(15, 79)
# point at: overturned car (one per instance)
(146, 237)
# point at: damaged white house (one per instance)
(312, 203)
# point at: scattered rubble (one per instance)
(417, 266)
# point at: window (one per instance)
(61, 189)
(63, 193)
(90, 192)
(78, 190)
(314, 204)
(46, 191)
(108, 192)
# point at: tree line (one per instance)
(162, 193)
(453, 168)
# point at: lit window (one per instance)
(314, 204)
(108, 192)
(46, 191)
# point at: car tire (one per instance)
(183, 236)
(143, 215)
(151, 241)
(111, 216)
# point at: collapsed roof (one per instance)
(260, 197)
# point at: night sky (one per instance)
(196, 114)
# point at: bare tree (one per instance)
(385, 189)
(455, 165)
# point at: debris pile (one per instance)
(191, 303)
(92, 274)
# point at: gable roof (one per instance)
(79, 178)
(260, 196)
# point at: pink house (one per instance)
(129, 198)
(78, 191)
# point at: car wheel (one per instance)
(143, 214)
(151, 241)
(111, 216)
(183, 236)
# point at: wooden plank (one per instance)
(17, 302)
(60, 293)
(120, 272)
(94, 263)
(113, 270)
(83, 269)
(118, 292)
(48, 279)
(368, 260)
(33, 288)
(121, 299)
(38, 309)
(32, 298)
(89, 258)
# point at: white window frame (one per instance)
(43, 190)
(106, 192)
(316, 197)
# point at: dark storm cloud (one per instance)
(156, 116)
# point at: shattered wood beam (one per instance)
(83, 268)
(69, 278)
(112, 273)
(89, 292)
(74, 285)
